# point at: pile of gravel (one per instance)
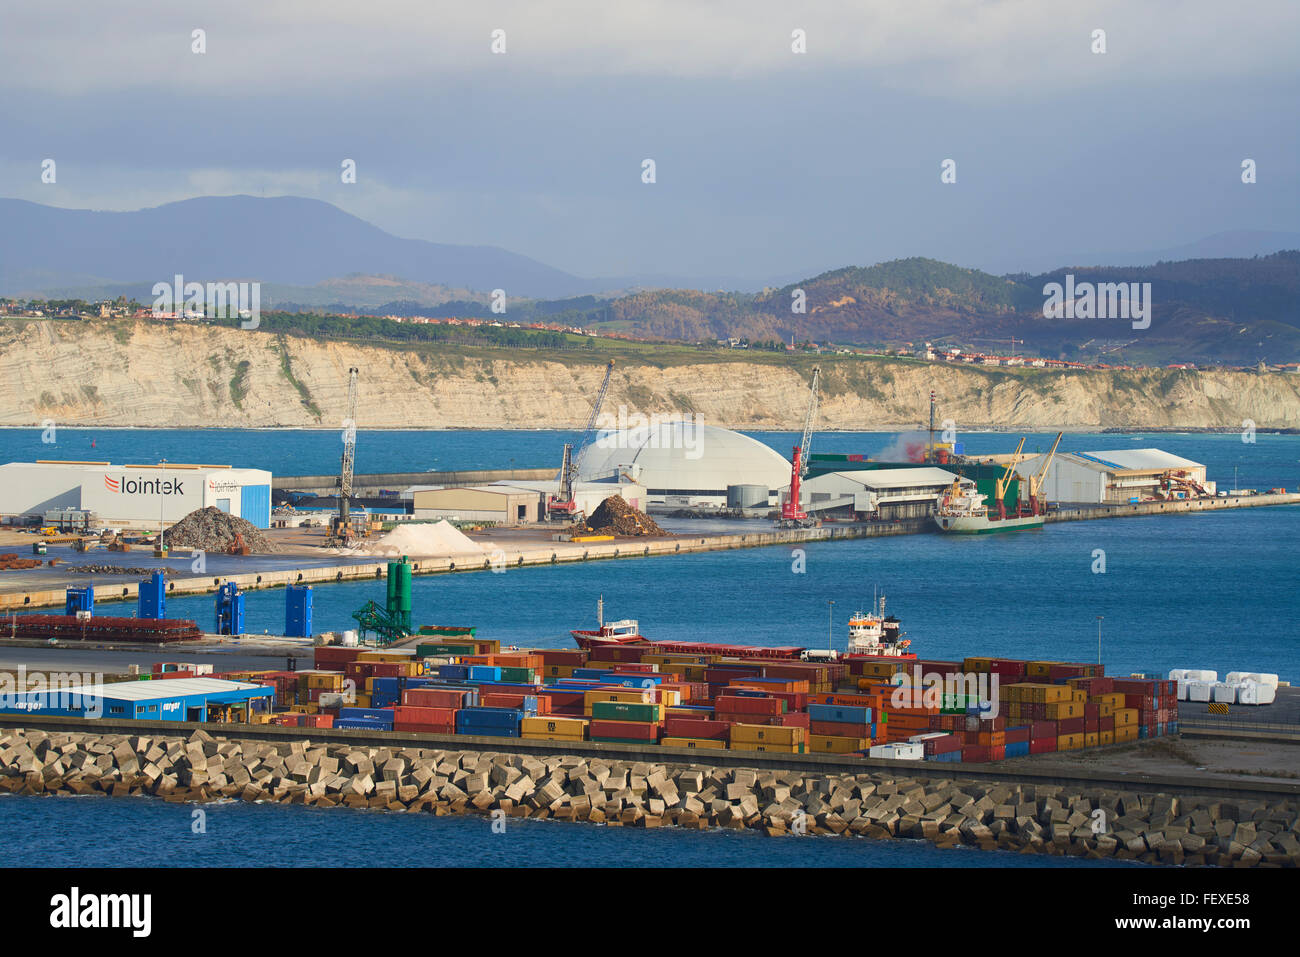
(212, 530)
(116, 570)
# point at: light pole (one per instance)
(162, 511)
(1099, 618)
(830, 626)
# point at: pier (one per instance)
(516, 554)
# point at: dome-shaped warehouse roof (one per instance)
(684, 457)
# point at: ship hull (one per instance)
(981, 525)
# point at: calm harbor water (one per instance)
(1216, 590)
(268, 835)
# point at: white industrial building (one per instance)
(133, 496)
(1119, 476)
(684, 462)
(878, 493)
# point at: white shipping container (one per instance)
(1237, 677)
(1223, 692)
(1198, 690)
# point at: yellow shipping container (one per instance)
(1091, 739)
(704, 744)
(553, 724)
(1115, 700)
(1125, 718)
(1039, 669)
(558, 671)
(765, 734)
(977, 664)
(1125, 734)
(835, 744)
(1105, 737)
(629, 695)
(1057, 710)
(1080, 696)
(363, 699)
(1069, 742)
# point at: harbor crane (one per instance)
(1003, 483)
(341, 528)
(1036, 504)
(792, 513)
(563, 502)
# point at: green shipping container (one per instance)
(521, 675)
(428, 649)
(624, 711)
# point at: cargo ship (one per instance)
(870, 635)
(963, 512)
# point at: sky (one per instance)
(768, 163)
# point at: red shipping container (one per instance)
(417, 728)
(943, 745)
(697, 728)
(1140, 701)
(434, 697)
(1106, 724)
(841, 729)
(334, 657)
(1092, 711)
(975, 754)
(1042, 745)
(1091, 725)
(1070, 726)
(792, 719)
(618, 653)
(1017, 735)
(634, 668)
(1043, 729)
(320, 720)
(641, 730)
(413, 714)
(1007, 670)
(574, 657)
(734, 704)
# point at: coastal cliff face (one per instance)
(179, 376)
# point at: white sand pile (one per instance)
(420, 540)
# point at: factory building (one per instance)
(170, 699)
(882, 493)
(133, 496)
(1120, 476)
(684, 463)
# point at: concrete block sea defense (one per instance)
(1094, 823)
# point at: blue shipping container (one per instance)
(847, 714)
(255, 504)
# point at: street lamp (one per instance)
(1099, 618)
(830, 626)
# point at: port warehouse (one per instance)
(180, 699)
(1119, 476)
(885, 493)
(511, 502)
(647, 697)
(138, 496)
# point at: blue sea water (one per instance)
(271, 835)
(1216, 590)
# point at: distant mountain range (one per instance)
(310, 255)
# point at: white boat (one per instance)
(871, 633)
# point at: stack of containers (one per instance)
(489, 722)
(626, 722)
(844, 727)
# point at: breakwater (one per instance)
(1091, 822)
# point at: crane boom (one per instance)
(563, 501)
(343, 521)
(1000, 487)
(806, 444)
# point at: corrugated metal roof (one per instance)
(163, 688)
(1139, 460)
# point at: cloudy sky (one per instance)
(769, 163)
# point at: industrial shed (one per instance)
(878, 493)
(503, 504)
(134, 496)
(1120, 476)
(170, 699)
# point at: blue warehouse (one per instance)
(170, 699)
